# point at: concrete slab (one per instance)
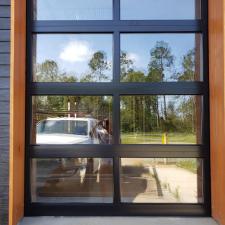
(117, 221)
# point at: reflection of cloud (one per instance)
(133, 56)
(76, 51)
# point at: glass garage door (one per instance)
(117, 108)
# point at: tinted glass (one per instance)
(161, 57)
(72, 58)
(160, 9)
(62, 126)
(84, 180)
(165, 180)
(161, 119)
(73, 9)
(72, 120)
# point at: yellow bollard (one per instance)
(164, 138)
(165, 141)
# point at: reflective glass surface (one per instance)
(72, 9)
(161, 57)
(161, 180)
(161, 119)
(72, 58)
(82, 180)
(160, 9)
(72, 120)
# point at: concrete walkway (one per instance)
(117, 221)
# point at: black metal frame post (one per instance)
(116, 89)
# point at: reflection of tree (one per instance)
(87, 78)
(134, 76)
(125, 65)
(161, 59)
(188, 67)
(98, 64)
(139, 114)
(48, 71)
(187, 109)
(157, 113)
(160, 66)
(98, 107)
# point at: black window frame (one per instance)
(117, 88)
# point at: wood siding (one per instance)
(17, 110)
(4, 108)
(217, 106)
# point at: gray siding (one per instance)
(4, 108)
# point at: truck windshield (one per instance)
(63, 127)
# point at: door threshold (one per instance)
(45, 220)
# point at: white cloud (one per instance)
(133, 56)
(76, 51)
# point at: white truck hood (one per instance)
(62, 139)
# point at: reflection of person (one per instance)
(105, 175)
(108, 126)
(102, 132)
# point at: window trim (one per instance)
(17, 110)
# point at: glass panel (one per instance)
(84, 180)
(72, 120)
(160, 9)
(72, 58)
(161, 57)
(161, 119)
(72, 9)
(165, 180)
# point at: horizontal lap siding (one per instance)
(4, 2)
(5, 11)
(4, 47)
(4, 35)
(4, 70)
(4, 107)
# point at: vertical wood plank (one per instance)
(217, 106)
(17, 110)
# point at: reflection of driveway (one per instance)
(65, 185)
(157, 183)
(169, 184)
(182, 183)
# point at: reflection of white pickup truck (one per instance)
(65, 130)
(71, 130)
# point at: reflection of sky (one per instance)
(74, 9)
(102, 9)
(158, 9)
(72, 52)
(138, 47)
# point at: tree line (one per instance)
(138, 113)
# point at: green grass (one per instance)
(190, 165)
(156, 138)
